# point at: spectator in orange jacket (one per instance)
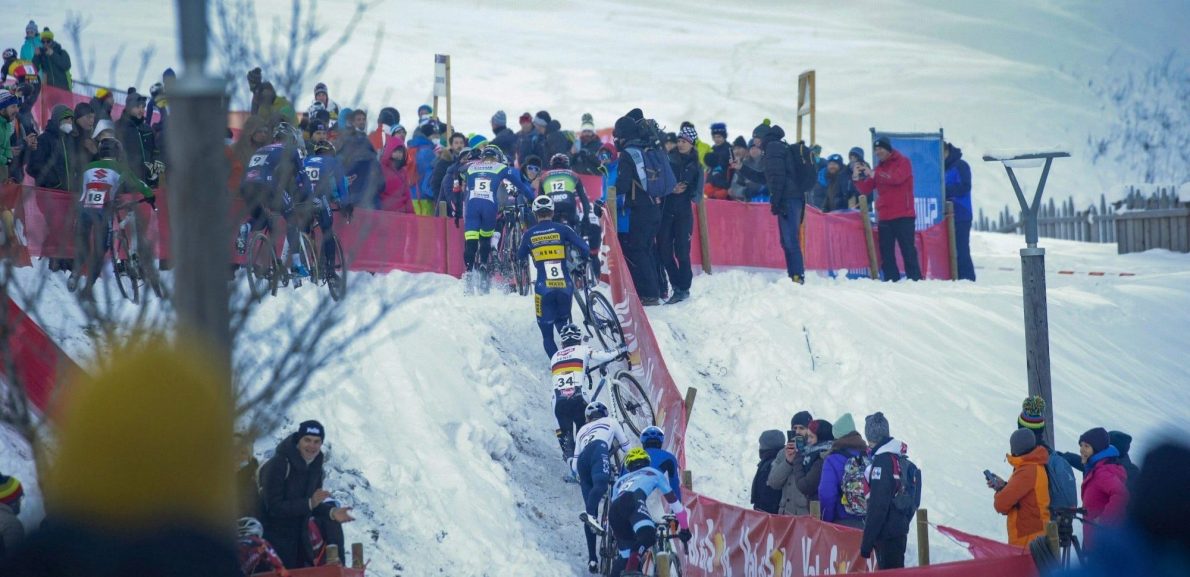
(1026, 496)
(395, 196)
(893, 177)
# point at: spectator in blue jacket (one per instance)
(834, 190)
(958, 191)
(421, 151)
(848, 444)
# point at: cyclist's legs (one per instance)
(326, 221)
(94, 241)
(487, 227)
(634, 529)
(594, 474)
(257, 195)
(553, 313)
(569, 411)
(471, 225)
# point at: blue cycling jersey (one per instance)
(326, 177)
(547, 241)
(643, 481)
(485, 180)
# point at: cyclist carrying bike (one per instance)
(327, 183)
(629, 517)
(564, 187)
(651, 439)
(546, 241)
(598, 440)
(273, 179)
(568, 376)
(483, 183)
(103, 181)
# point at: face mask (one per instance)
(66, 127)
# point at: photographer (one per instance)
(52, 61)
(793, 502)
(1025, 498)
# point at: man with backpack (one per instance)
(644, 178)
(894, 492)
(788, 173)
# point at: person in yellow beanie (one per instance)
(52, 61)
(143, 479)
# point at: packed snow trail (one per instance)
(944, 362)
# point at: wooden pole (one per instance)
(357, 555)
(864, 215)
(813, 107)
(816, 509)
(688, 480)
(610, 205)
(1051, 536)
(923, 538)
(332, 555)
(704, 237)
(691, 393)
(954, 253)
(449, 124)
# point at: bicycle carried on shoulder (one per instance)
(633, 407)
(599, 316)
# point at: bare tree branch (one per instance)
(116, 58)
(366, 78)
(74, 25)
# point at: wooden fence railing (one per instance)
(1136, 223)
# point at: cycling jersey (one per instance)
(546, 242)
(566, 190)
(568, 367)
(326, 177)
(665, 462)
(104, 179)
(605, 430)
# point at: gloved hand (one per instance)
(348, 210)
(778, 209)
(254, 77)
(623, 351)
(152, 201)
(685, 535)
(593, 218)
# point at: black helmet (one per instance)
(324, 146)
(571, 335)
(109, 148)
(493, 152)
(559, 161)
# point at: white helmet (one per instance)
(250, 526)
(543, 203)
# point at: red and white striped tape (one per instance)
(1072, 272)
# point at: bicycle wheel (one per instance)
(602, 318)
(122, 268)
(309, 256)
(520, 268)
(338, 283)
(263, 267)
(668, 564)
(636, 410)
(607, 542)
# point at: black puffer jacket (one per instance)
(140, 145)
(555, 141)
(54, 163)
(286, 484)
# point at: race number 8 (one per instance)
(553, 270)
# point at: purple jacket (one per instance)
(829, 494)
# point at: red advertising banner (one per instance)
(37, 360)
(981, 547)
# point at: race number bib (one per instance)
(566, 383)
(257, 160)
(557, 186)
(95, 194)
(482, 189)
(312, 172)
(555, 277)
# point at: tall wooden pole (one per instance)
(198, 195)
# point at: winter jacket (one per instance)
(798, 481)
(102, 108)
(884, 521)
(894, 181)
(286, 484)
(419, 164)
(1026, 497)
(718, 162)
(364, 177)
(1104, 491)
(555, 142)
(12, 532)
(830, 495)
(782, 183)
(958, 184)
(505, 139)
(442, 164)
(140, 145)
(833, 192)
(586, 156)
(53, 164)
(54, 68)
(1123, 443)
(764, 496)
(29, 48)
(529, 144)
(687, 170)
(744, 188)
(395, 196)
(6, 130)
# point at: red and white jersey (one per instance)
(100, 185)
(568, 367)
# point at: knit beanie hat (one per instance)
(311, 428)
(588, 123)
(719, 128)
(8, 99)
(31, 27)
(1096, 438)
(424, 110)
(10, 490)
(883, 142)
(844, 426)
(1032, 414)
(543, 118)
(319, 88)
(103, 94)
(802, 418)
(772, 439)
(46, 34)
(837, 159)
(526, 118)
(760, 131)
(499, 118)
(476, 141)
(82, 109)
(1022, 442)
(740, 142)
(822, 429)
(688, 134)
(876, 428)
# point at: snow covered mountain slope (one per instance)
(992, 74)
(943, 361)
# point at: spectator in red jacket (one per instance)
(1105, 495)
(395, 196)
(893, 178)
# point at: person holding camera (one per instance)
(52, 61)
(1025, 497)
(793, 502)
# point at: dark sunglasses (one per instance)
(532, 168)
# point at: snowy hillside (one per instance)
(992, 74)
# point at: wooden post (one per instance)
(687, 480)
(816, 509)
(691, 393)
(357, 555)
(807, 103)
(332, 555)
(704, 237)
(954, 251)
(864, 215)
(449, 124)
(610, 207)
(442, 208)
(1051, 535)
(923, 537)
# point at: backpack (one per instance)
(800, 164)
(907, 498)
(1063, 489)
(854, 488)
(655, 173)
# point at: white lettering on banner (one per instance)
(928, 212)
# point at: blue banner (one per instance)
(924, 151)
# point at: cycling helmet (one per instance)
(473, 154)
(571, 335)
(10, 53)
(250, 526)
(324, 146)
(543, 203)
(109, 148)
(559, 161)
(493, 152)
(595, 410)
(652, 437)
(637, 458)
(283, 132)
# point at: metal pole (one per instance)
(199, 199)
